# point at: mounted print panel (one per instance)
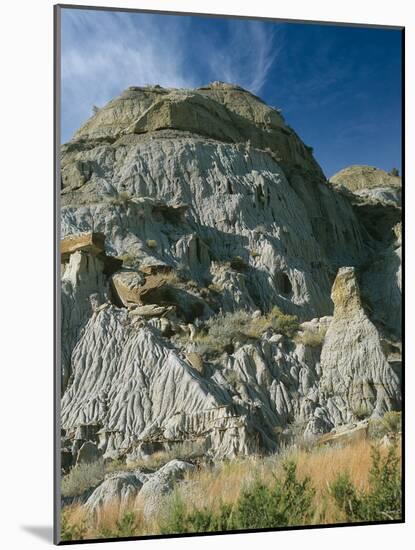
(228, 312)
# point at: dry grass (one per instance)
(224, 483)
(324, 464)
(82, 477)
(79, 524)
(321, 465)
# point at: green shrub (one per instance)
(70, 531)
(382, 501)
(286, 502)
(311, 338)
(126, 526)
(199, 521)
(223, 328)
(391, 422)
(282, 322)
(82, 477)
(226, 326)
(220, 330)
(361, 412)
(127, 259)
(151, 243)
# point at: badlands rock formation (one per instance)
(364, 179)
(377, 204)
(183, 206)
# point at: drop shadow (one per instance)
(43, 532)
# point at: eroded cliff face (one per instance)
(182, 206)
(375, 197)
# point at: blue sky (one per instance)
(338, 87)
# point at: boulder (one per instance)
(120, 488)
(151, 310)
(161, 483)
(161, 290)
(127, 286)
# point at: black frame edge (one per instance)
(56, 268)
(403, 174)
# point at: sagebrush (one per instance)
(223, 329)
(382, 500)
(286, 501)
(82, 477)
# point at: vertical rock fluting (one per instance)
(84, 288)
(209, 203)
(357, 379)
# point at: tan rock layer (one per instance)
(89, 242)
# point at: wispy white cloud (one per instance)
(246, 56)
(105, 52)
(102, 54)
